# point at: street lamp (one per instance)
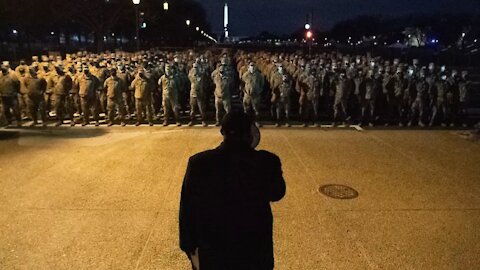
(165, 6)
(137, 26)
(197, 28)
(187, 22)
(307, 26)
(309, 36)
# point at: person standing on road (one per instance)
(225, 215)
(170, 86)
(223, 96)
(143, 98)
(9, 89)
(35, 89)
(115, 89)
(88, 85)
(252, 91)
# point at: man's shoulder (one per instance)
(268, 155)
(205, 155)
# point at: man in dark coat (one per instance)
(225, 216)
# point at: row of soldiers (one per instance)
(365, 89)
(143, 85)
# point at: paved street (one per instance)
(108, 198)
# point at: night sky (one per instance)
(250, 17)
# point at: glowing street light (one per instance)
(52, 33)
(307, 26)
(15, 31)
(165, 6)
(136, 2)
(309, 34)
(187, 22)
(197, 28)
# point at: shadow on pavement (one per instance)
(64, 133)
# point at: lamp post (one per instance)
(137, 26)
(165, 5)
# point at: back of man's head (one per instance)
(237, 126)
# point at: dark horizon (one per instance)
(288, 16)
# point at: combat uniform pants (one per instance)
(438, 106)
(11, 103)
(102, 99)
(61, 108)
(112, 106)
(339, 109)
(144, 106)
(48, 101)
(309, 110)
(417, 111)
(283, 106)
(169, 104)
(394, 109)
(35, 105)
(368, 111)
(89, 105)
(22, 101)
(462, 112)
(200, 103)
(221, 104)
(250, 102)
(130, 102)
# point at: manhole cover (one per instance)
(339, 192)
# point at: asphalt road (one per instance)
(99, 198)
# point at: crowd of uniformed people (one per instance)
(155, 85)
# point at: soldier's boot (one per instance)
(110, 123)
(421, 124)
(277, 124)
(137, 124)
(58, 123)
(150, 124)
(190, 124)
(97, 123)
(165, 123)
(204, 124)
(287, 124)
(123, 124)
